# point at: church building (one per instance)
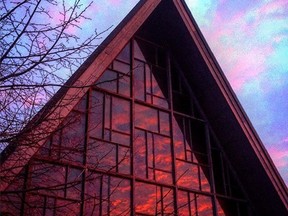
(149, 126)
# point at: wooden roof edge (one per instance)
(240, 114)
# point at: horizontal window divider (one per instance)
(164, 135)
(110, 93)
(189, 190)
(189, 116)
(231, 198)
(156, 96)
(191, 162)
(154, 182)
(144, 103)
(55, 197)
(61, 162)
(122, 61)
(110, 142)
(108, 173)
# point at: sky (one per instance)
(250, 41)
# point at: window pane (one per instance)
(96, 114)
(92, 195)
(65, 207)
(140, 154)
(74, 180)
(124, 85)
(108, 81)
(122, 67)
(121, 138)
(187, 175)
(162, 151)
(123, 160)
(164, 123)
(101, 155)
(139, 87)
(115, 196)
(124, 55)
(145, 198)
(121, 115)
(146, 118)
(204, 206)
(49, 177)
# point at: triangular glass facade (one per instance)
(136, 144)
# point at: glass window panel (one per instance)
(146, 118)
(226, 207)
(148, 77)
(11, 204)
(163, 177)
(120, 138)
(92, 195)
(140, 154)
(73, 187)
(96, 114)
(139, 87)
(137, 51)
(220, 211)
(150, 150)
(164, 123)
(55, 145)
(218, 171)
(204, 205)
(65, 207)
(44, 150)
(108, 81)
(161, 57)
(50, 177)
(121, 67)
(149, 98)
(73, 132)
(50, 206)
(71, 155)
(124, 160)
(243, 208)
(35, 205)
(198, 137)
(81, 105)
(101, 155)
(187, 175)
(204, 176)
(107, 111)
(145, 198)
(162, 151)
(159, 82)
(115, 196)
(183, 203)
(107, 134)
(124, 55)
(162, 102)
(124, 85)
(181, 103)
(178, 139)
(121, 115)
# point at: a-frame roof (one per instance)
(170, 22)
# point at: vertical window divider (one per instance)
(170, 100)
(132, 130)
(210, 167)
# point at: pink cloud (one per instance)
(279, 156)
(240, 43)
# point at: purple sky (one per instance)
(250, 41)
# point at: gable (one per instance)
(130, 112)
(207, 85)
